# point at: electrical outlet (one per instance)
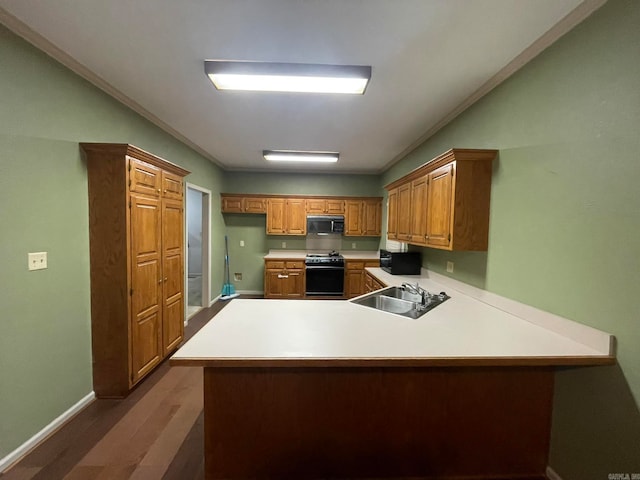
(353, 245)
(284, 244)
(242, 243)
(37, 260)
(237, 277)
(449, 267)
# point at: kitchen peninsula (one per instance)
(332, 389)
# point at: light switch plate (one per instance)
(37, 260)
(450, 267)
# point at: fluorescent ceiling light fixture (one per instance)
(297, 156)
(288, 77)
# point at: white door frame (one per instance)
(206, 248)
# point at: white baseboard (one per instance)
(43, 434)
(250, 292)
(215, 300)
(552, 475)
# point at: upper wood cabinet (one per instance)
(392, 214)
(418, 214)
(363, 217)
(403, 218)
(325, 206)
(243, 204)
(136, 245)
(446, 202)
(287, 214)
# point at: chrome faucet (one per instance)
(417, 290)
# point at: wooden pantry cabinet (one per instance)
(284, 278)
(445, 203)
(136, 221)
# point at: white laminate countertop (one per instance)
(462, 331)
(300, 254)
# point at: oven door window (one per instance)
(325, 281)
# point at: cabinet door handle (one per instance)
(159, 281)
(283, 276)
(165, 279)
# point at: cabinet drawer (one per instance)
(351, 265)
(282, 264)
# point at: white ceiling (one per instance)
(428, 58)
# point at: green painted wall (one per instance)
(45, 345)
(249, 260)
(565, 220)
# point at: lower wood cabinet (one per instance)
(284, 279)
(371, 283)
(136, 247)
(355, 276)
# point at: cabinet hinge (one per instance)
(129, 182)
(452, 171)
(449, 237)
(129, 203)
(131, 291)
(129, 166)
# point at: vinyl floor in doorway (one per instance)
(155, 433)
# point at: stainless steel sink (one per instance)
(401, 302)
(388, 304)
(399, 292)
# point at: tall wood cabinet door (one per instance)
(146, 284)
(404, 212)
(371, 218)
(392, 214)
(173, 274)
(419, 211)
(296, 216)
(276, 216)
(353, 217)
(144, 177)
(440, 206)
(172, 186)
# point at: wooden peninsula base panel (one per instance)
(377, 423)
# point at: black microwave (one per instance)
(400, 263)
(325, 224)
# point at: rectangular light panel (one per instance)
(288, 77)
(300, 156)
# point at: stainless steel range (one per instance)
(324, 274)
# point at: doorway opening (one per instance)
(198, 264)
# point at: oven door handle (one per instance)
(323, 267)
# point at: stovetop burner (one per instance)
(331, 258)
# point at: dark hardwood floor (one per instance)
(154, 433)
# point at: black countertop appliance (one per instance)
(400, 263)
